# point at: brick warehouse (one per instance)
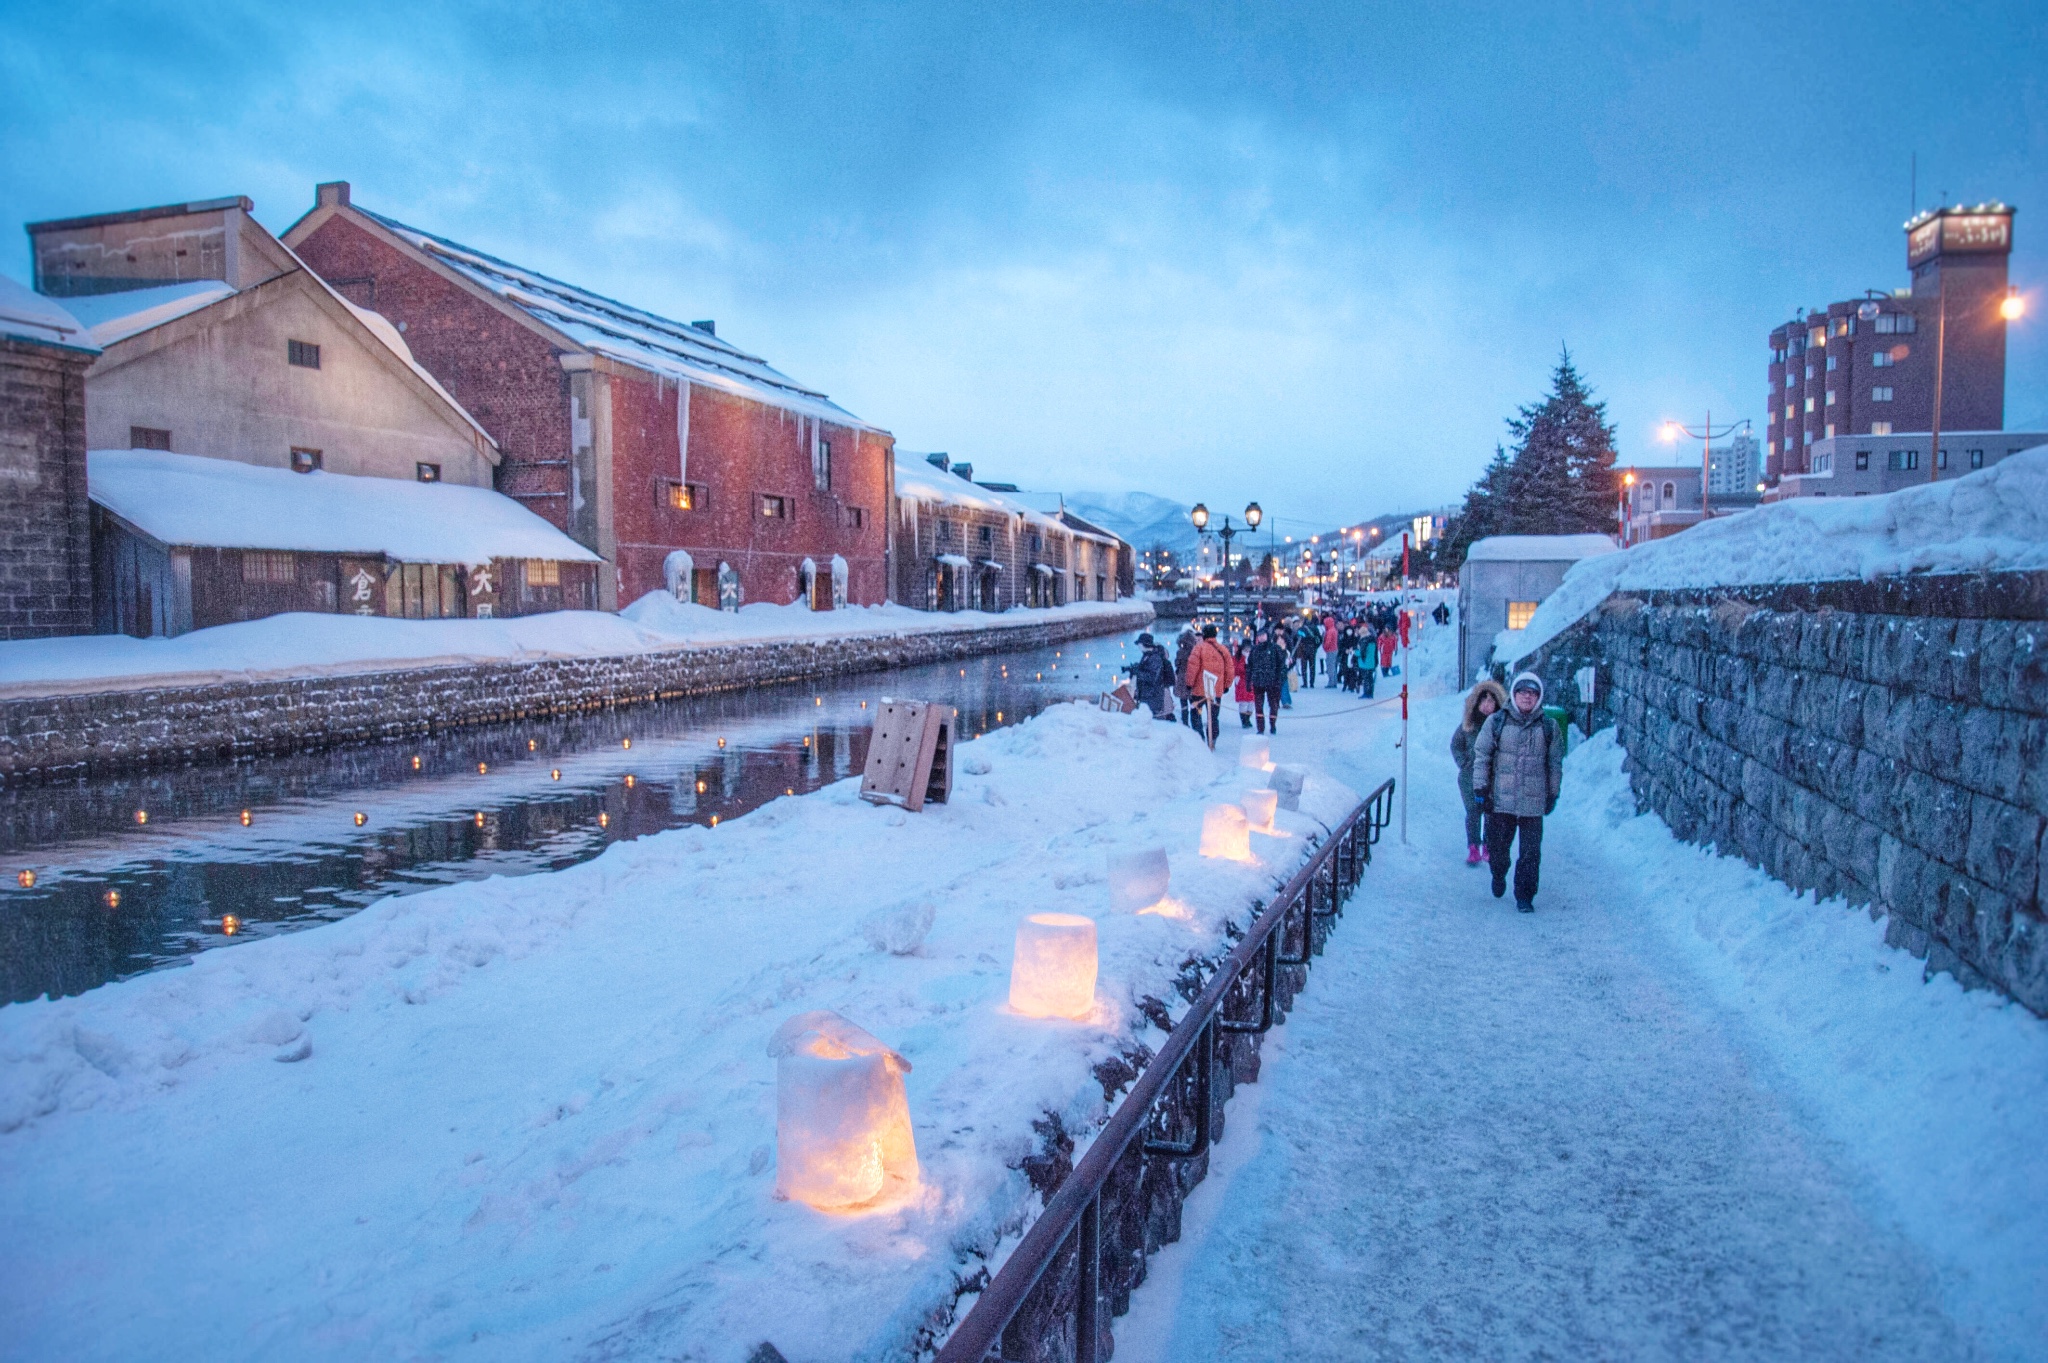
(45, 558)
(684, 462)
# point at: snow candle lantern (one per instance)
(1053, 974)
(1287, 783)
(1255, 753)
(842, 1118)
(1259, 806)
(1226, 833)
(1138, 880)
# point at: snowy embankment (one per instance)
(535, 1118)
(1995, 520)
(307, 645)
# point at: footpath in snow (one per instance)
(1677, 1113)
(301, 644)
(534, 1118)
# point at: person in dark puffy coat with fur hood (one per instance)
(1485, 699)
(1517, 770)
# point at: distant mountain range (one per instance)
(1141, 519)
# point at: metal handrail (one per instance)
(1075, 1210)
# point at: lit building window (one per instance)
(1520, 613)
(1880, 428)
(263, 565)
(543, 572)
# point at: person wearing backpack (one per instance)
(1517, 770)
(1209, 675)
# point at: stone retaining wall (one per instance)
(1885, 742)
(116, 730)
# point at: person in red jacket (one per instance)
(1387, 652)
(1242, 691)
(1329, 650)
(1208, 677)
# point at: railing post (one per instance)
(1087, 1329)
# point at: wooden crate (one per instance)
(910, 756)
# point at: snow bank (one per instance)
(1996, 519)
(302, 644)
(534, 1118)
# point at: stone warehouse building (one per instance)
(1865, 367)
(960, 545)
(45, 557)
(680, 459)
(217, 341)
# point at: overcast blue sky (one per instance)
(1308, 254)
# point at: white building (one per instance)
(1504, 579)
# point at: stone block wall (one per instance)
(145, 725)
(1885, 742)
(45, 545)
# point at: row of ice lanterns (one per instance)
(842, 1115)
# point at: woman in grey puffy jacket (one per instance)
(1483, 700)
(1517, 769)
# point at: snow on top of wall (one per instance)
(31, 317)
(1540, 548)
(183, 499)
(642, 339)
(113, 317)
(1993, 520)
(925, 482)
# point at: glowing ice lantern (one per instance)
(1138, 880)
(1255, 753)
(1053, 975)
(1226, 833)
(1258, 806)
(842, 1119)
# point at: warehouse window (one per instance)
(148, 438)
(856, 518)
(1976, 459)
(774, 508)
(428, 473)
(821, 464)
(304, 354)
(1862, 461)
(1520, 613)
(543, 572)
(304, 460)
(684, 496)
(264, 565)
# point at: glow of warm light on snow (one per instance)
(1169, 907)
(842, 1118)
(1053, 972)
(1255, 753)
(1226, 833)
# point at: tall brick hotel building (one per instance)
(1852, 386)
(683, 461)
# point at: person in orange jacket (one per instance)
(1208, 678)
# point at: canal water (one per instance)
(109, 877)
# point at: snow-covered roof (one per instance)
(926, 482)
(183, 499)
(115, 317)
(607, 327)
(1540, 548)
(28, 316)
(954, 560)
(1995, 520)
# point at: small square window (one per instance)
(683, 496)
(1832, 365)
(856, 518)
(1880, 428)
(1809, 405)
(774, 508)
(428, 473)
(1520, 613)
(304, 354)
(987, 536)
(1881, 394)
(1976, 459)
(148, 438)
(1880, 359)
(1831, 397)
(1862, 461)
(304, 460)
(543, 572)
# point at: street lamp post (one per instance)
(1706, 435)
(1628, 482)
(1252, 516)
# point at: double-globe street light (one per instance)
(1252, 516)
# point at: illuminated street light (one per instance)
(2012, 307)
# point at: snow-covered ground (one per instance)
(1678, 1113)
(301, 644)
(1995, 519)
(535, 1117)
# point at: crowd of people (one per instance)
(1257, 669)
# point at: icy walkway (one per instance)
(1597, 1133)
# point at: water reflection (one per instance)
(117, 875)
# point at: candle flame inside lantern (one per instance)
(479, 818)
(629, 781)
(141, 816)
(625, 742)
(1053, 973)
(531, 745)
(229, 925)
(113, 899)
(361, 818)
(25, 879)
(1226, 833)
(415, 763)
(554, 773)
(246, 819)
(604, 820)
(842, 1118)
(721, 742)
